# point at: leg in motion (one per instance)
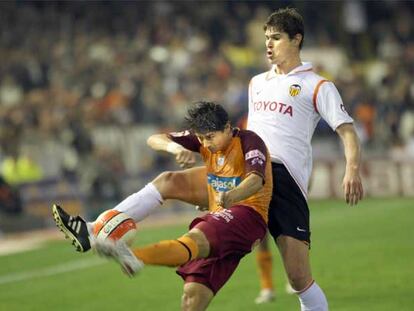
(171, 253)
(192, 245)
(182, 185)
(179, 185)
(73, 227)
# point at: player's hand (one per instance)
(185, 158)
(352, 186)
(224, 200)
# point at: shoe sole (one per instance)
(116, 255)
(65, 231)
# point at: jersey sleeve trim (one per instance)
(339, 123)
(315, 93)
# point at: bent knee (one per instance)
(201, 240)
(167, 183)
(164, 177)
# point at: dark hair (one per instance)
(203, 117)
(287, 20)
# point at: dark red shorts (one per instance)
(232, 233)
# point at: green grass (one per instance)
(363, 258)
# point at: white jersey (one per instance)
(284, 110)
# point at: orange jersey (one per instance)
(245, 155)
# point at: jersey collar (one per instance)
(306, 66)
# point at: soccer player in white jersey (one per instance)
(285, 105)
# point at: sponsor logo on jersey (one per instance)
(225, 214)
(256, 156)
(256, 153)
(256, 160)
(294, 90)
(223, 184)
(273, 107)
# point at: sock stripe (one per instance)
(306, 288)
(190, 255)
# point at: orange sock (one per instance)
(170, 253)
(264, 263)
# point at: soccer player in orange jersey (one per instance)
(235, 184)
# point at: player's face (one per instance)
(279, 47)
(217, 140)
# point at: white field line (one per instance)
(50, 271)
(17, 246)
(21, 242)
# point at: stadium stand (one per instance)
(83, 84)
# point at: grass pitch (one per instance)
(363, 258)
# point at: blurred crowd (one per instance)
(77, 79)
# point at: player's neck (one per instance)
(288, 65)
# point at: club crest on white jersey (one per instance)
(294, 90)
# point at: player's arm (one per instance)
(164, 142)
(328, 103)
(249, 186)
(352, 185)
(255, 161)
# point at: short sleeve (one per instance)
(255, 153)
(186, 139)
(328, 103)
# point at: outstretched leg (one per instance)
(187, 185)
(171, 253)
(73, 227)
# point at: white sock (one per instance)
(313, 299)
(138, 205)
(141, 204)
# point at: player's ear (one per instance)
(297, 39)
